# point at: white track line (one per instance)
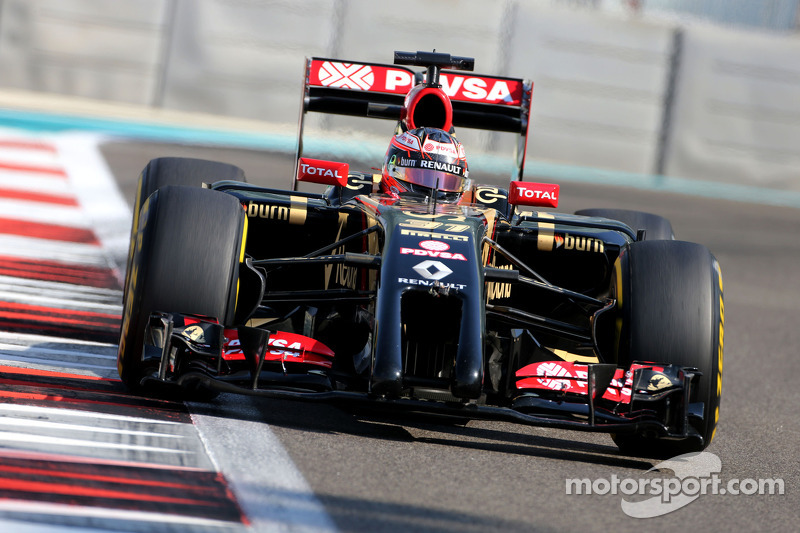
(20, 506)
(32, 157)
(12, 437)
(281, 501)
(52, 364)
(27, 339)
(66, 302)
(99, 196)
(46, 424)
(43, 213)
(85, 291)
(62, 412)
(16, 349)
(48, 250)
(24, 181)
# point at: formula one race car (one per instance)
(417, 290)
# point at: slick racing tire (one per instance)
(671, 310)
(656, 227)
(185, 171)
(186, 253)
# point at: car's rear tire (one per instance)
(655, 226)
(185, 259)
(671, 311)
(184, 171)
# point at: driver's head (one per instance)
(423, 160)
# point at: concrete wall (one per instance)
(599, 86)
(737, 110)
(603, 92)
(92, 48)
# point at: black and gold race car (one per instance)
(482, 302)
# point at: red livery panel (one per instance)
(534, 194)
(399, 80)
(283, 346)
(565, 376)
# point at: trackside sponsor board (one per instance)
(399, 80)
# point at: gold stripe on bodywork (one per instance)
(241, 259)
(373, 247)
(618, 295)
(298, 209)
(244, 239)
(491, 223)
(546, 239)
(575, 358)
(328, 268)
(257, 322)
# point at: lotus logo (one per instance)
(432, 270)
(658, 382)
(195, 333)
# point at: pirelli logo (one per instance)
(433, 235)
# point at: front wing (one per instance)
(647, 398)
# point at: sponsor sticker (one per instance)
(444, 167)
(488, 195)
(535, 194)
(553, 371)
(346, 75)
(407, 140)
(434, 270)
(571, 377)
(658, 381)
(195, 333)
(478, 89)
(578, 243)
(434, 235)
(380, 78)
(432, 253)
(448, 149)
(429, 283)
(321, 171)
(434, 246)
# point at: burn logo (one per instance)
(580, 244)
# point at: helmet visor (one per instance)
(432, 179)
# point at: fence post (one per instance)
(162, 68)
(669, 101)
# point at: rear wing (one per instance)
(376, 90)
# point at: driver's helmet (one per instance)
(424, 160)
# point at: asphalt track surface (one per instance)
(296, 466)
(374, 472)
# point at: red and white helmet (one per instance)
(423, 160)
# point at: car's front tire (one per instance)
(671, 310)
(185, 259)
(183, 171)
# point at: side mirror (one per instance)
(534, 194)
(320, 171)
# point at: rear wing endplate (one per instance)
(377, 90)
